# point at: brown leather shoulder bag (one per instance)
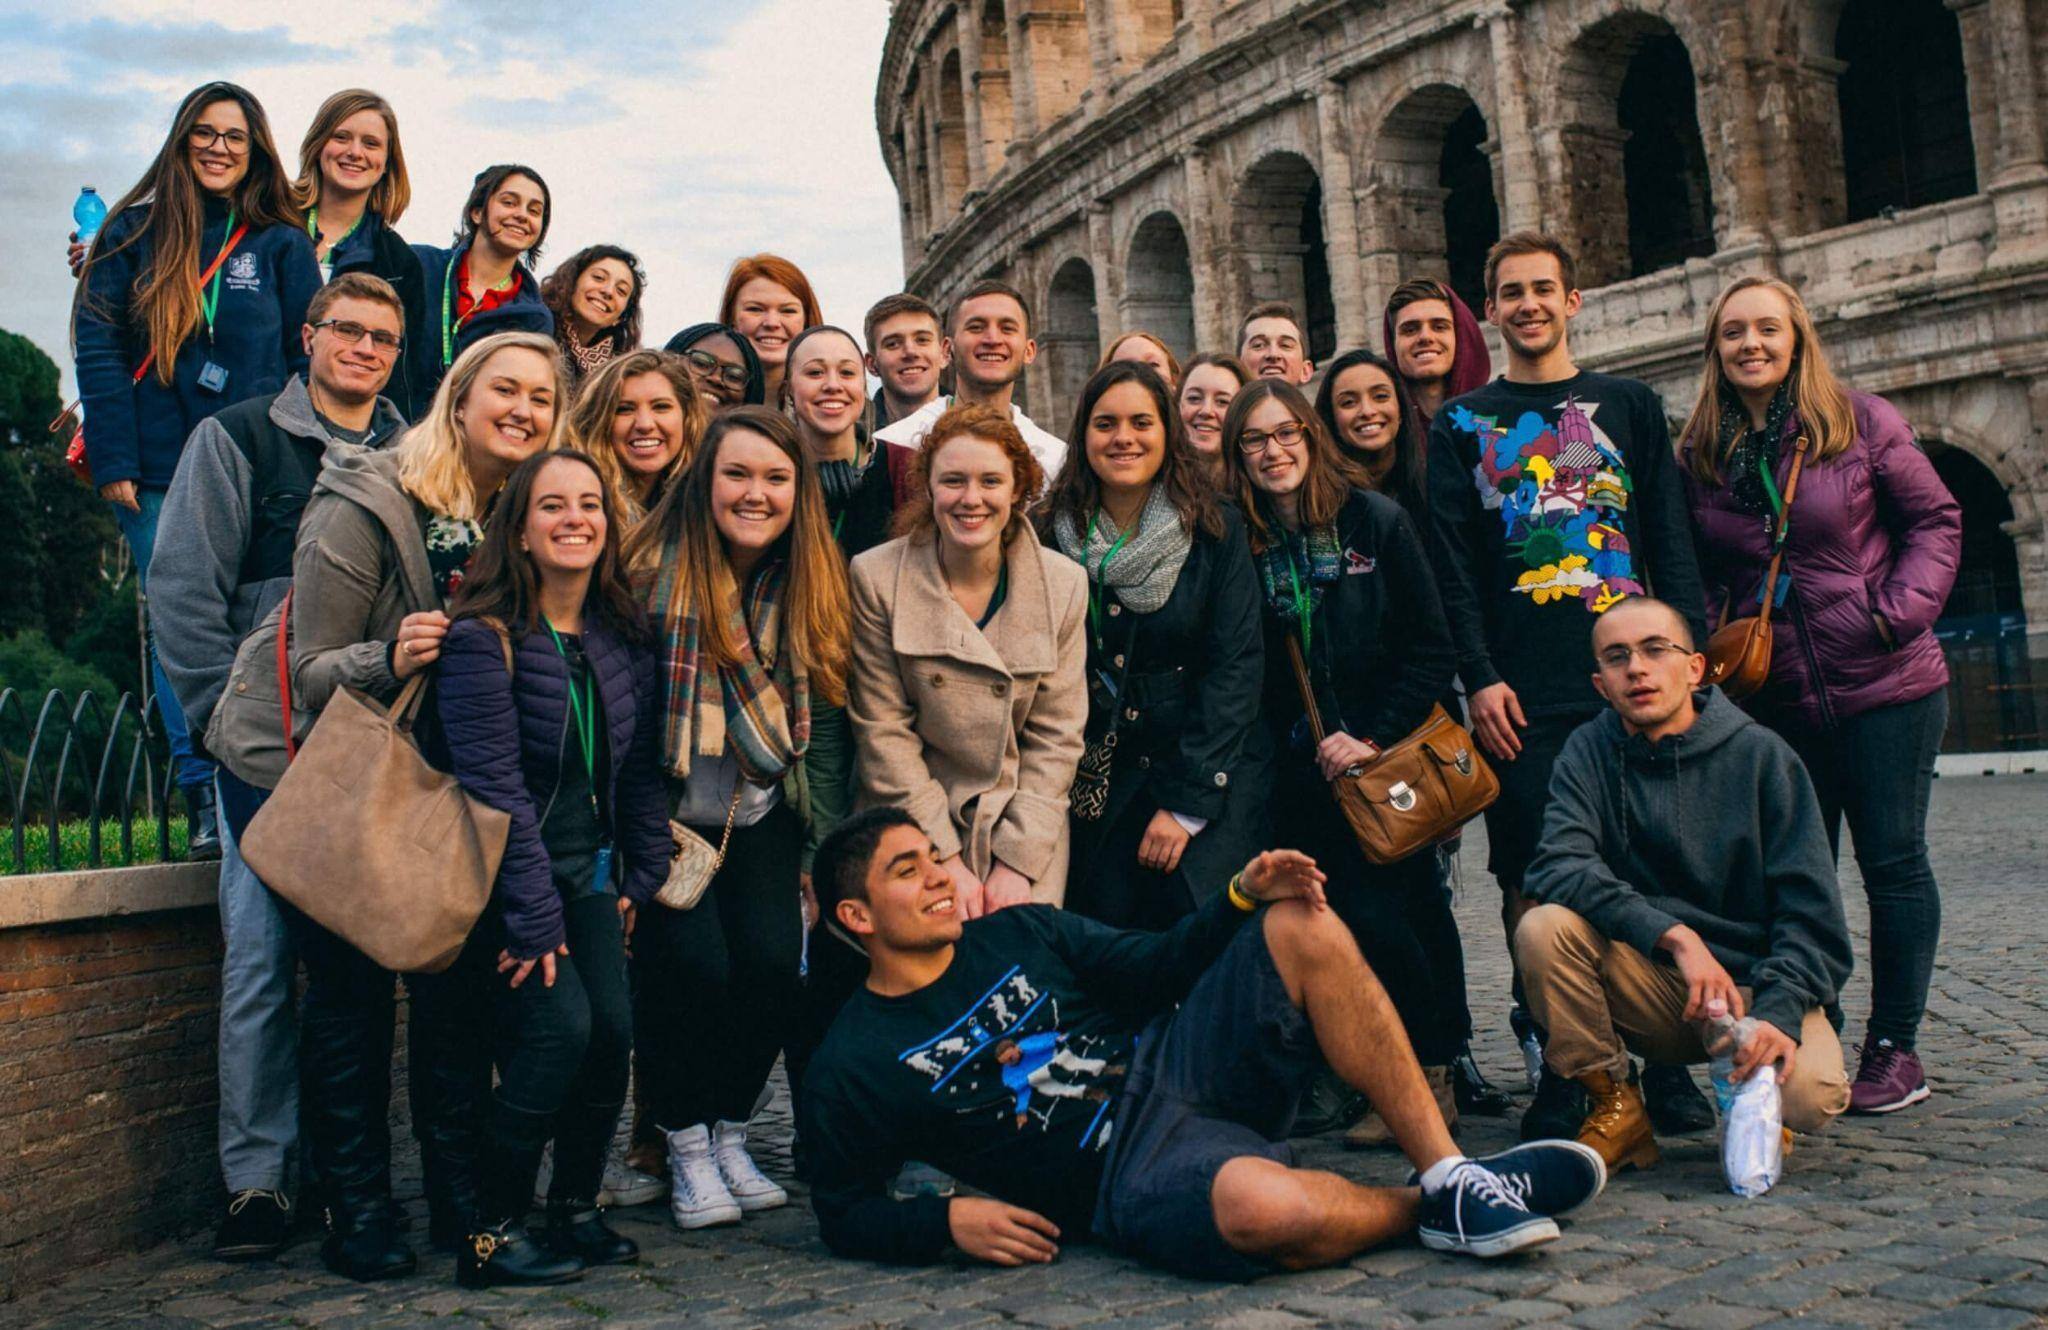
(1739, 652)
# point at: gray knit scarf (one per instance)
(1143, 572)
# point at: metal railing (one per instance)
(72, 762)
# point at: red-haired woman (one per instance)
(768, 300)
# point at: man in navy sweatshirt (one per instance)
(1683, 859)
(1041, 1058)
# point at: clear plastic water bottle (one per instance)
(88, 213)
(1752, 1111)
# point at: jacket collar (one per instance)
(929, 622)
(292, 411)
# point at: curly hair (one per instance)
(560, 287)
(990, 424)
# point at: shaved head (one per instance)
(1608, 626)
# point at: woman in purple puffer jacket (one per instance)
(1857, 683)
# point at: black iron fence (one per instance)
(1998, 688)
(74, 773)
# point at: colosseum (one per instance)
(1165, 164)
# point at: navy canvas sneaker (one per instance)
(1478, 1213)
(1550, 1177)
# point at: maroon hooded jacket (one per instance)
(1471, 362)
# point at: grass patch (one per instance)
(74, 849)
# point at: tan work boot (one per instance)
(1371, 1130)
(1617, 1124)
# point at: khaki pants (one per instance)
(1601, 999)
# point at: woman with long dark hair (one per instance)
(748, 591)
(1858, 684)
(595, 299)
(1175, 662)
(158, 350)
(1348, 590)
(547, 704)
(352, 189)
(1365, 407)
(484, 282)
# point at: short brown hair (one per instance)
(983, 422)
(987, 286)
(354, 286)
(1271, 309)
(888, 307)
(1516, 243)
(1420, 288)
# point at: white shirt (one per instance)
(909, 432)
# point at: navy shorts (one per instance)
(1213, 1081)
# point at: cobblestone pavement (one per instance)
(1936, 1216)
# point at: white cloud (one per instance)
(690, 133)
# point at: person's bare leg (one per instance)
(1356, 1025)
(1301, 1218)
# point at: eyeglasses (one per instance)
(1252, 442)
(202, 137)
(1654, 652)
(352, 332)
(711, 367)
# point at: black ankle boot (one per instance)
(507, 1254)
(202, 823)
(1677, 1107)
(1558, 1111)
(362, 1244)
(576, 1229)
(1477, 1097)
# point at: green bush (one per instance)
(73, 845)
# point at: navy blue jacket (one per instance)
(137, 431)
(507, 737)
(374, 248)
(524, 312)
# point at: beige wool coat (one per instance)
(976, 735)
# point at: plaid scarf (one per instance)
(758, 708)
(1312, 559)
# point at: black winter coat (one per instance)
(1185, 712)
(1381, 652)
(507, 739)
(380, 251)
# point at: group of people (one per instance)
(1000, 737)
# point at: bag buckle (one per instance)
(1401, 795)
(1462, 760)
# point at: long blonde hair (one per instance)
(1826, 417)
(816, 624)
(392, 193)
(433, 462)
(597, 404)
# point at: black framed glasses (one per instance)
(711, 367)
(202, 137)
(1253, 442)
(351, 332)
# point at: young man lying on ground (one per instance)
(1683, 859)
(1039, 1057)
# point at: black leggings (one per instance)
(562, 1053)
(718, 984)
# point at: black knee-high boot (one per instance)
(500, 1250)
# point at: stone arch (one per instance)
(1992, 703)
(1435, 178)
(1159, 283)
(1639, 194)
(1904, 103)
(1276, 226)
(952, 142)
(1071, 340)
(992, 87)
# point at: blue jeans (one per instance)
(259, 1031)
(139, 530)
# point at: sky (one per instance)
(689, 131)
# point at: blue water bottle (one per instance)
(88, 212)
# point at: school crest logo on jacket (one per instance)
(242, 274)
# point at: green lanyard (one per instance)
(1099, 571)
(449, 323)
(582, 713)
(313, 229)
(1301, 607)
(209, 299)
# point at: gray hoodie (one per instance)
(1716, 828)
(200, 608)
(360, 568)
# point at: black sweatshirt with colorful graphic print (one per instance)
(1005, 1072)
(1552, 502)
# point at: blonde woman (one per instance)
(382, 547)
(1858, 685)
(1146, 349)
(638, 418)
(351, 190)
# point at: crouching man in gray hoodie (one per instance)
(224, 560)
(1683, 859)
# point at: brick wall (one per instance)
(107, 1029)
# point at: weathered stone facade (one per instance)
(1165, 163)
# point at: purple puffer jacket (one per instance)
(1874, 531)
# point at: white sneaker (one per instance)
(625, 1185)
(698, 1197)
(743, 1178)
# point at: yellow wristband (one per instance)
(1237, 895)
